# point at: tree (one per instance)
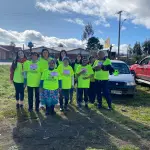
(30, 45)
(93, 44)
(146, 47)
(60, 45)
(88, 32)
(137, 50)
(13, 48)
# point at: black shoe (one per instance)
(86, 106)
(109, 108)
(17, 106)
(53, 113)
(79, 105)
(99, 106)
(21, 106)
(47, 113)
(30, 110)
(37, 110)
(66, 108)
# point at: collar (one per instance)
(51, 69)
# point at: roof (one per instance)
(58, 49)
(117, 61)
(65, 48)
(4, 49)
(10, 48)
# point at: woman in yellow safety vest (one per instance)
(32, 75)
(17, 77)
(62, 55)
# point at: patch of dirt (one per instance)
(71, 131)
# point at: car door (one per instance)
(139, 69)
(147, 70)
(142, 69)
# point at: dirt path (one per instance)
(76, 130)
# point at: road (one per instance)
(5, 63)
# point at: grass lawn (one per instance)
(127, 127)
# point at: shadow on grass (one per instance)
(78, 130)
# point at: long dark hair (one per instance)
(76, 61)
(60, 58)
(43, 51)
(14, 63)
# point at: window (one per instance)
(145, 61)
(121, 67)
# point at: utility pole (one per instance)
(119, 13)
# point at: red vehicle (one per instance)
(141, 70)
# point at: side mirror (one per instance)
(137, 62)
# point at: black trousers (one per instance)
(82, 91)
(71, 94)
(64, 95)
(92, 92)
(30, 97)
(102, 88)
(19, 88)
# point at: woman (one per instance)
(78, 62)
(91, 91)
(67, 75)
(84, 73)
(45, 58)
(50, 84)
(32, 79)
(16, 77)
(62, 55)
(75, 65)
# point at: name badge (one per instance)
(67, 72)
(54, 74)
(33, 66)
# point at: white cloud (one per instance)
(136, 10)
(20, 38)
(99, 31)
(123, 48)
(123, 28)
(76, 21)
(107, 25)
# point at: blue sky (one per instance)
(59, 19)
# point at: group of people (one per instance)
(52, 80)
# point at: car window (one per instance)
(145, 61)
(121, 67)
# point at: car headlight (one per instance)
(131, 83)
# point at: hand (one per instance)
(11, 81)
(97, 68)
(82, 72)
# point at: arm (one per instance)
(72, 81)
(11, 73)
(60, 84)
(25, 77)
(41, 84)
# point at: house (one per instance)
(8, 52)
(54, 51)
